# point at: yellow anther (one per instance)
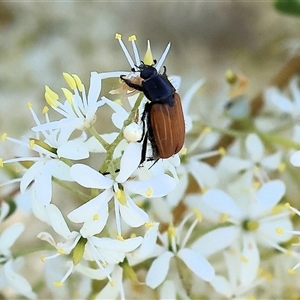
(171, 230)
(118, 36)
(149, 225)
(1, 162)
(120, 238)
(45, 109)
(287, 205)
(61, 251)
(184, 151)
(31, 144)
(121, 196)
(251, 298)
(43, 258)
(70, 81)
(292, 271)
(222, 151)
(278, 209)
(118, 101)
(244, 259)
(96, 217)
(223, 218)
(256, 184)
(52, 102)
(68, 95)
(104, 264)
(230, 77)
(133, 235)
(132, 38)
(58, 283)
(29, 105)
(252, 225)
(51, 93)
(288, 253)
(198, 214)
(148, 58)
(207, 130)
(149, 192)
(3, 136)
(282, 167)
(279, 230)
(17, 170)
(111, 283)
(78, 82)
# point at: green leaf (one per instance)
(291, 7)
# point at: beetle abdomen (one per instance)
(167, 127)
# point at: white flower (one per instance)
(120, 190)
(174, 244)
(256, 163)
(8, 276)
(84, 245)
(48, 164)
(252, 222)
(79, 110)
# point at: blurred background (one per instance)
(41, 40)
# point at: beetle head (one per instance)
(147, 71)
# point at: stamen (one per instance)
(131, 63)
(78, 82)
(70, 81)
(132, 39)
(163, 57)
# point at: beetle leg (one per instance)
(144, 148)
(164, 73)
(130, 84)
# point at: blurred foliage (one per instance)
(291, 7)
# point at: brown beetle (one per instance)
(163, 113)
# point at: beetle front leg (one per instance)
(130, 84)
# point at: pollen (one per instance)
(31, 144)
(184, 151)
(222, 151)
(281, 167)
(45, 109)
(120, 238)
(149, 192)
(68, 95)
(244, 259)
(43, 258)
(29, 105)
(51, 101)
(118, 101)
(78, 82)
(148, 225)
(223, 218)
(118, 36)
(292, 271)
(148, 58)
(132, 38)
(207, 130)
(111, 283)
(3, 136)
(58, 283)
(120, 194)
(96, 217)
(172, 231)
(70, 81)
(61, 251)
(198, 214)
(51, 93)
(256, 184)
(1, 162)
(279, 230)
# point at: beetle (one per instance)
(162, 113)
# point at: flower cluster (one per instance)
(206, 222)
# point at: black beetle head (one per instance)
(147, 71)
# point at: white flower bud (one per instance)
(133, 132)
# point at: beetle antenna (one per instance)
(154, 62)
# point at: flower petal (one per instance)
(89, 178)
(73, 150)
(159, 270)
(197, 264)
(129, 162)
